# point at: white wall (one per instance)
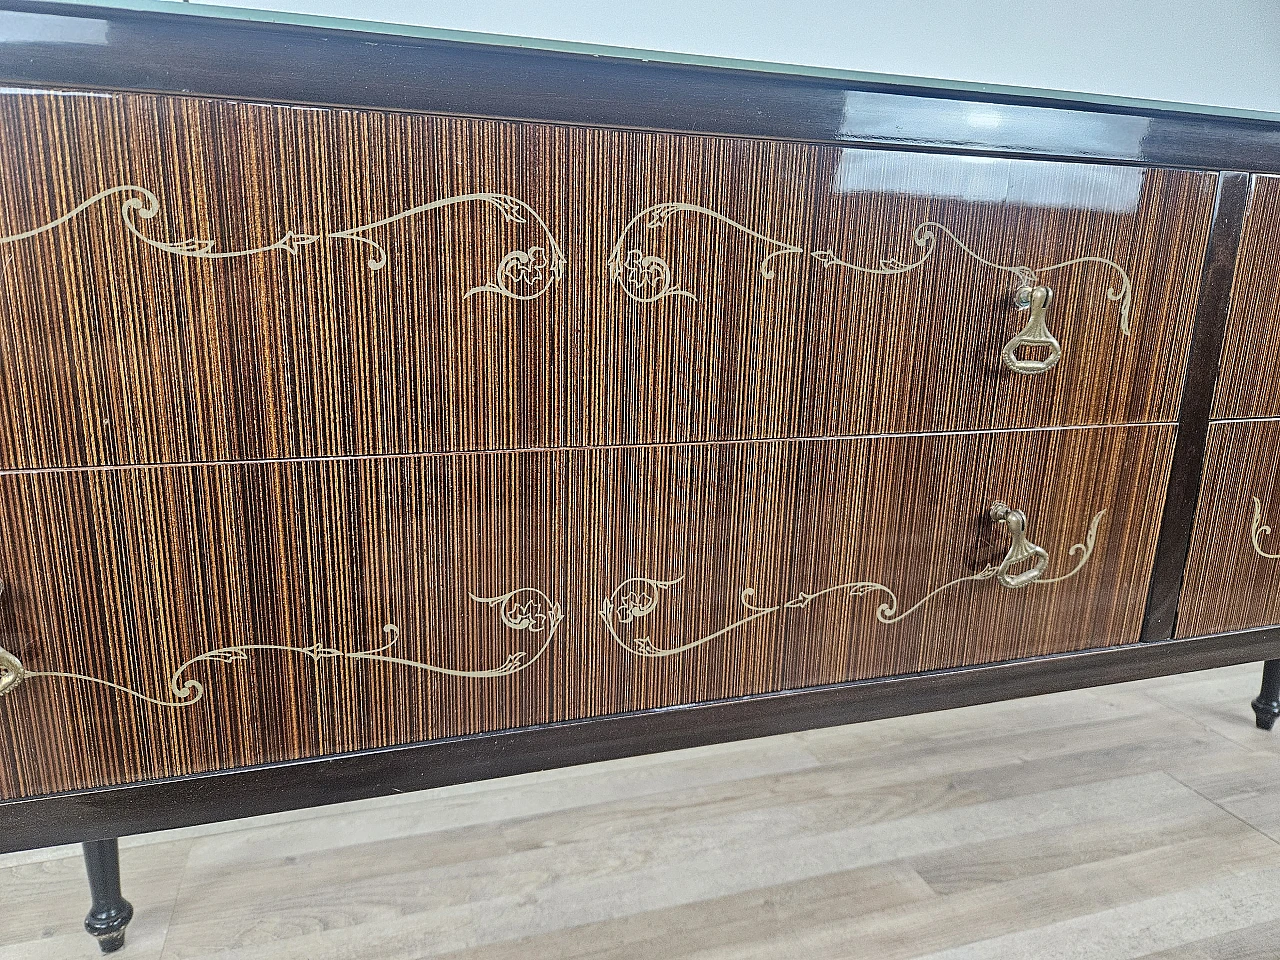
(1224, 53)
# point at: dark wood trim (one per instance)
(1197, 400)
(227, 795)
(209, 56)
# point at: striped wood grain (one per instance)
(823, 351)
(1249, 376)
(1229, 584)
(114, 352)
(123, 574)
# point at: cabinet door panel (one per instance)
(1233, 570)
(1249, 375)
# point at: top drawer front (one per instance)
(892, 290)
(250, 316)
(1249, 377)
(273, 282)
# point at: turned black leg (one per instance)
(1267, 705)
(111, 912)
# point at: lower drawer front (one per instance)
(1233, 571)
(164, 621)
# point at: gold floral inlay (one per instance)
(529, 610)
(1261, 530)
(646, 277)
(519, 275)
(637, 597)
(523, 610)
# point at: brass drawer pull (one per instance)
(1021, 549)
(11, 671)
(1034, 334)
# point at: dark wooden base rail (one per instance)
(143, 807)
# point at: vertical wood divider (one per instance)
(1185, 474)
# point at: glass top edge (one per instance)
(924, 85)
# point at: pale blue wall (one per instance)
(1224, 53)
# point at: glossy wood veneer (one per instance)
(120, 352)
(1183, 492)
(125, 575)
(117, 352)
(822, 350)
(1249, 378)
(170, 54)
(1233, 572)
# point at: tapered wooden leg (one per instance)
(1267, 705)
(110, 912)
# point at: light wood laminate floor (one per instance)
(1140, 820)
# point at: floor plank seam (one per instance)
(1230, 813)
(173, 904)
(1177, 708)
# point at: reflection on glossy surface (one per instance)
(891, 118)
(1249, 379)
(43, 28)
(814, 45)
(1034, 183)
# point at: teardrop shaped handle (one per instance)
(1035, 334)
(1020, 550)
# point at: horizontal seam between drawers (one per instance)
(17, 471)
(1275, 419)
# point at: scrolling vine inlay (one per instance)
(519, 275)
(1261, 530)
(531, 610)
(647, 277)
(525, 609)
(637, 597)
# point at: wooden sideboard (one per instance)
(399, 416)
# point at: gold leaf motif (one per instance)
(231, 655)
(537, 268)
(647, 278)
(1261, 530)
(534, 613)
(643, 591)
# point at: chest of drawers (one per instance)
(368, 441)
